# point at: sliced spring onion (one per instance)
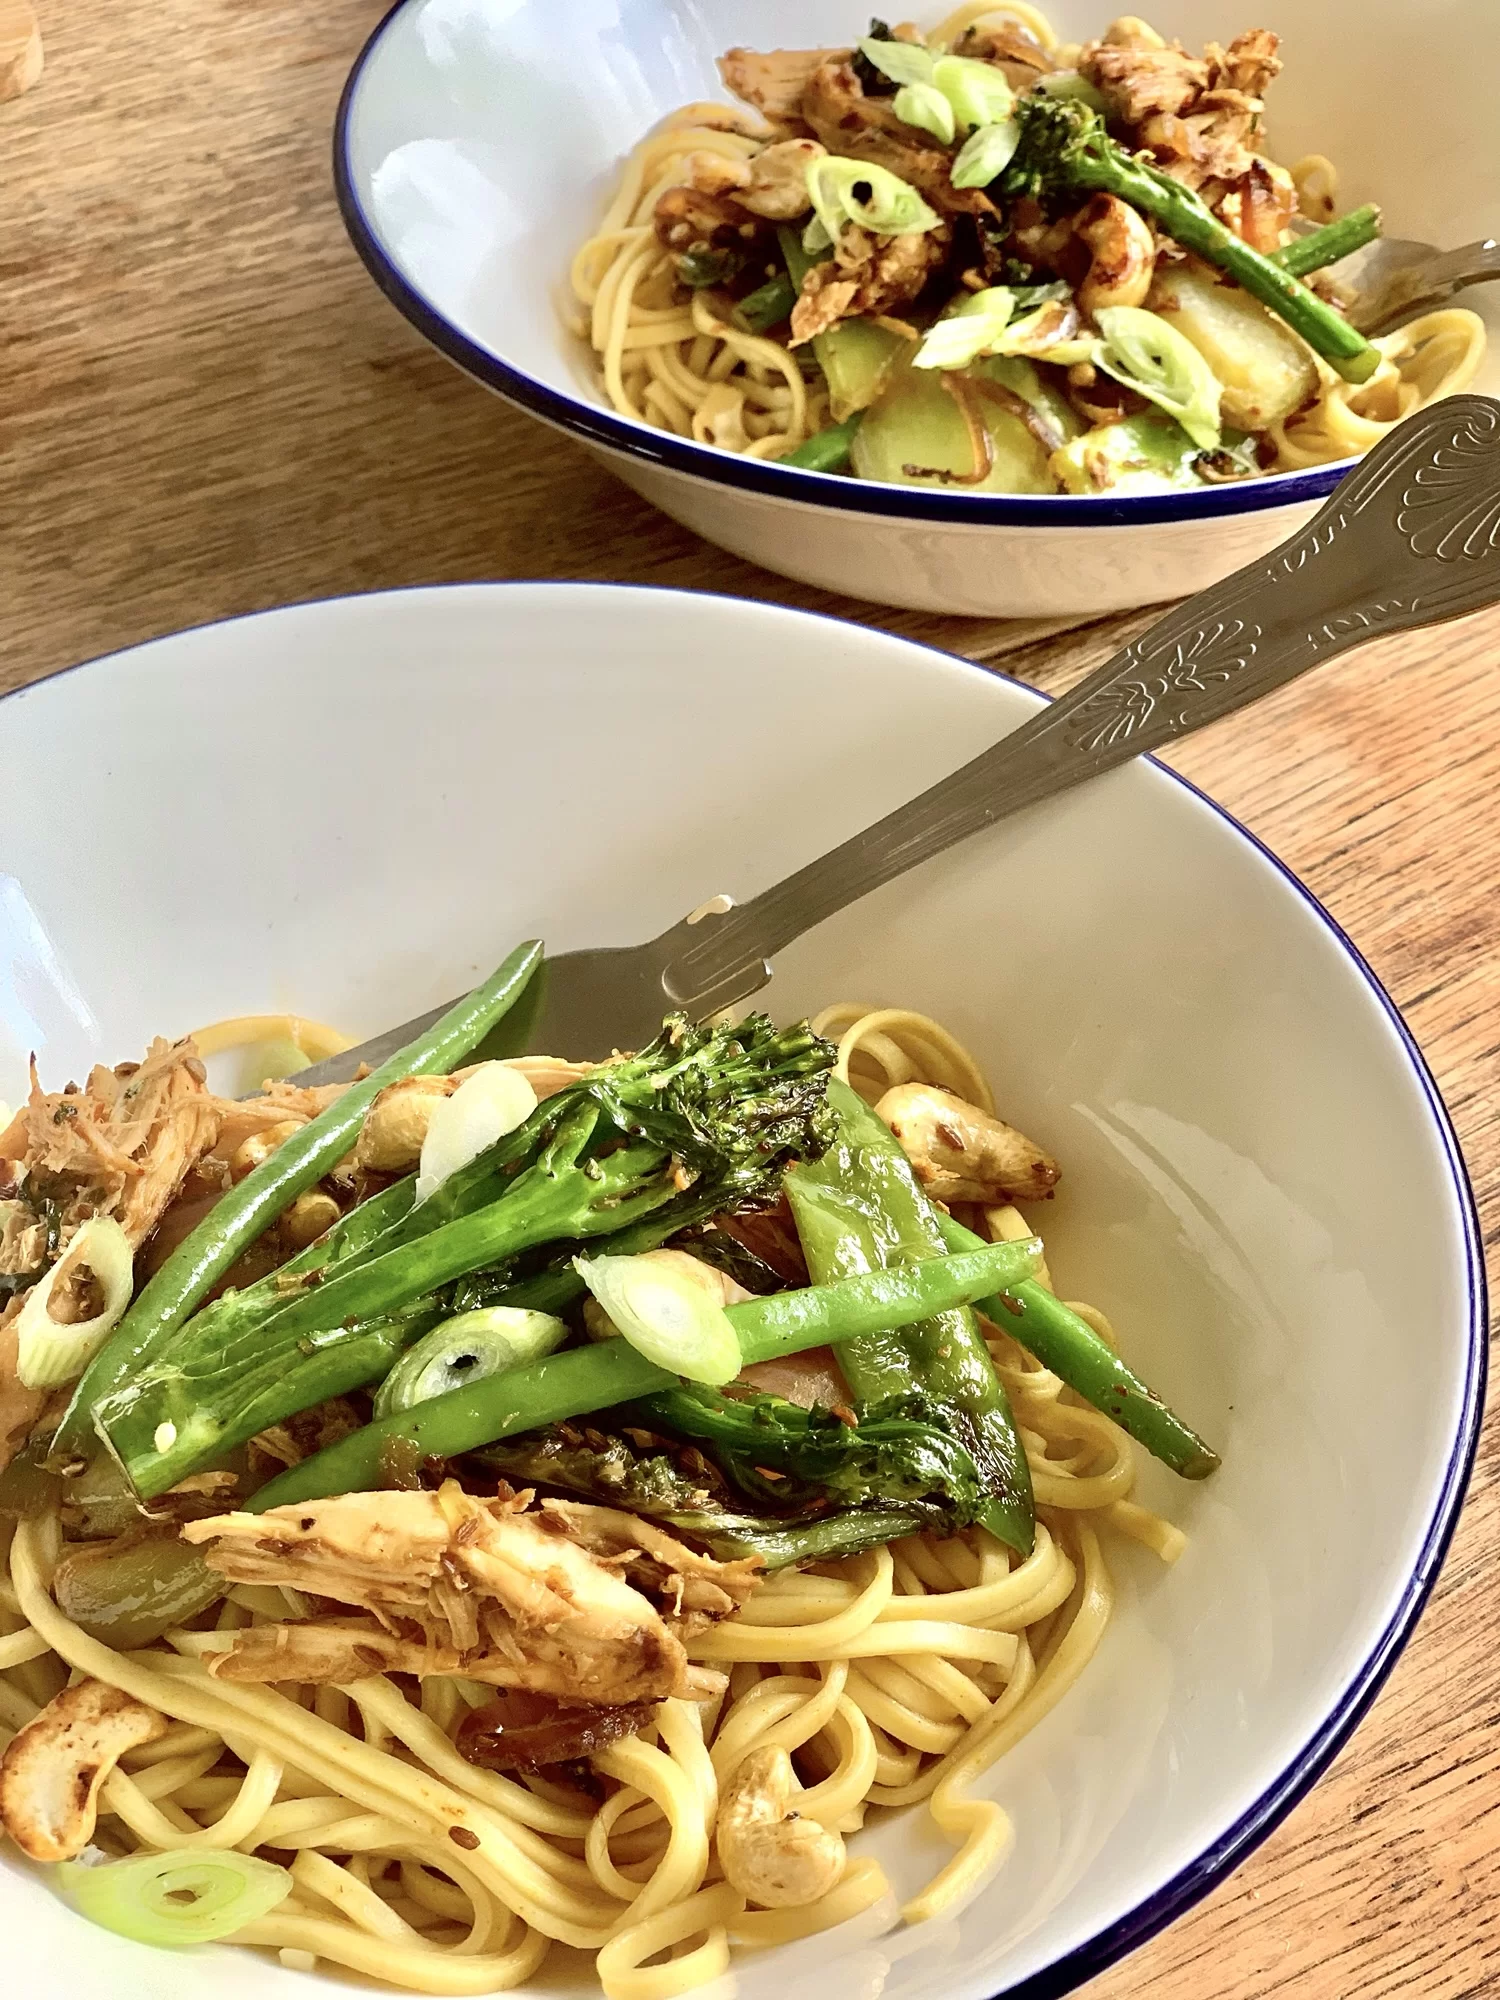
(986, 152)
(665, 1316)
(902, 62)
(843, 191)
(925, 106)
(1050, 333)
(184, 1896)
(49, 1351)
(965, 333)
(1068, 83)
(487, 1105)
(1141, 350)
(467, 1349)
(977, 92)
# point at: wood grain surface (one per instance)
(206, 409)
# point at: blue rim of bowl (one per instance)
(1219, 1860)
(597, 425)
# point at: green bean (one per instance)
(767, 306)
(1069, 1346)
(581, 1380)
(861, 1207)
(1325, 246)
(826, 450)
(249, 1209)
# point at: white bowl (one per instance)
(1260, 1181)
(477, 141)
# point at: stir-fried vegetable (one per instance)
(1069, 1346)
(1146, 453)
(777, 1453)
(1147, 355)
(581, 1380)
(856, 356)
(187, 1896)
(1336, 239)
(1064, 150)
(665, 1316)
(844, 191)
(465, 1349)
(96, 1270)
(614, 1471)
(860, 1208)
(250, 1209)
(725, 1106)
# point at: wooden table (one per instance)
(205, 409)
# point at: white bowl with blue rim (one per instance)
(478, 140)
(1260, 1183)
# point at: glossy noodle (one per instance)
(896, 1679)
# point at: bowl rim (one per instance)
(1303, 1769)
(666, 452)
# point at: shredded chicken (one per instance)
(775, 185)
(697, 1590)
(1200, 116)
(451, 1584)
(866, 274)
(773, 80)
(121, 1146)
(834, 105)
(1136, 83)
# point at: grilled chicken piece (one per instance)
(1201, 116)
(773, 80)
(961, 1153)
(697, 1590)
(866, 274)
(451, 1584)
(834, 105)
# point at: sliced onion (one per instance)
(467, 1349)
(49, 1352)
(986, 152)
(665, 1315)
(184, 1896)
(493, 1100)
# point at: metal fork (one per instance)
(1397, 278)
(1409, 538)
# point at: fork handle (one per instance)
(1410, 537)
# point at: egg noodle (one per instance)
(896, 1677)
(680, 366)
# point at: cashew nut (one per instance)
(961, 1153)
(1123, 251)
(390, 1140)
(768, 1851)
(777, 186)
(307, 1218)
(52, 1770)
(250, 1153)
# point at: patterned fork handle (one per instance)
(1410, 537)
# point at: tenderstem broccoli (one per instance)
(1064, 150)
